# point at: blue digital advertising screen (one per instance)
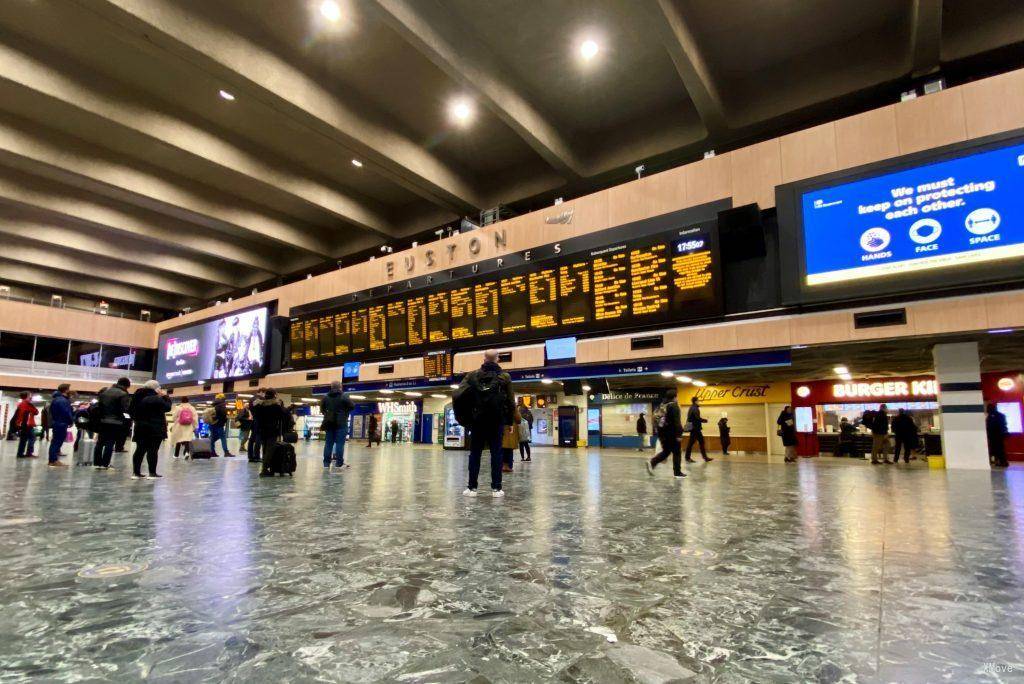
(560, 348)
(350, 371)
(934, 217)
(226, 348)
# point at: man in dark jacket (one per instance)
(696, 424)
(219, 426)
(641, 431)
(488, 391)
(271, 419)
(880, 436)
(335, 408)
(114, 414)
(149, 409)
(670, 434)
(996, 431)
(62, 417)
(904, 432)
(254, 446)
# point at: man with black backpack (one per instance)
(669, 426)
(484, 404)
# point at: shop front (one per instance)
(821, 405)
(749, 409)
(399, 420)
(612, 417)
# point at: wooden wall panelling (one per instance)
(1004, 310)
(867, 138)
(467, 361)
(808, 153)
(994, 105)
(652, 196)
(756, 170)
(708, 180)
(35, 319)
(763, 334)
(49, 383)
(820, 328)
(592, 351)
(942, 316)
(931, 121)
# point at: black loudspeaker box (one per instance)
(598, 385)
(741, 233)
(572, 388)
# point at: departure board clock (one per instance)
(636, 283)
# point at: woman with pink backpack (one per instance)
(184, 420)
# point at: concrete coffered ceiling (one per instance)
(125, 176)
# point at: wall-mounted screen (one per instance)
(649, 280)
(350, 371)
(927, 221)
(234, 346)
(1011, 409)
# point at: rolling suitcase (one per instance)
(200, 448)
(281, 460)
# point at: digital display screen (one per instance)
(222, 349)
(296, 339)
(350, 371)
(438, 364)
(1011, 409)
(648, 280)
(936, 216)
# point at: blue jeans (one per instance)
(26, 442)
(60, 433)
(218, 432)
(479, 437)
(335, 441)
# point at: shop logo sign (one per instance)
(889, 388)
(734, 392)
(176, 347)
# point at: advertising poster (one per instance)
(230, 347)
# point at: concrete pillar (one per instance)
(958, 374)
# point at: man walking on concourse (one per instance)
(669, 426)
(695, 424)
(335, 408)
(484, 403)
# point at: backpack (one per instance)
(94, 416)
(660, 417)
(186, 416)
(481, 399)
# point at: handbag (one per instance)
(290, 437)
(688, 427)
(69, 438)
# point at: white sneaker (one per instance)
(138, 477)
(497, 493)
(469, 492)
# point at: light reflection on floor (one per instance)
(588, 571)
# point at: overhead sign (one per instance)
(942, 215)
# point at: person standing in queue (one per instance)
(254, 447)
(114, 421)
(484, 403)
(219, 426)
(44, 420)
(641, 431)
(669, 426)
(335, 407)
(272, 418)
(524, 439)
(880, 436)
(25, 424)
(150, 406)
(396, 431)
(996, 431)
(847, 442)
(183, 427)
(787, 431)
(905, 438)
(373, 431)
(723, 433)
(62, 416)
(695, 424)
(244, 419)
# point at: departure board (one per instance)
(515, 304)
(360, 332)
(295, 337)
(377, 328)
(398, 324)
(611, 285)
(437, 364)
(649, 280)
(310, 338)
(543, 298)
(636, 283)
(326, 342)
(463, 320)
(574, 288)
(342, 334)
(439, 327)
(486, 309)
(417, 317)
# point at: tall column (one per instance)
(958, 373)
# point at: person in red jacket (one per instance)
(25, 421)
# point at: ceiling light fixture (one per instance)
(460, 110)
(699, 383)
(226, 95)
(356, 163)
(667, 374)
(454, 386)
(356, 396)
(840, 370)
(845, 376)
(330, 10)
(413, 394)
(684, 378)
(547, 381)
(387, 391)
(589, 49)
(586, 388)
(439, 396)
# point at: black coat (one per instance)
(879, 423)
(114, 402)
(641, 425)
(787, 428)
(335, 407)
(673, 422)
(271, 418)
(694, 419)
(150, 415)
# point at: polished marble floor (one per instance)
(588, 571)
